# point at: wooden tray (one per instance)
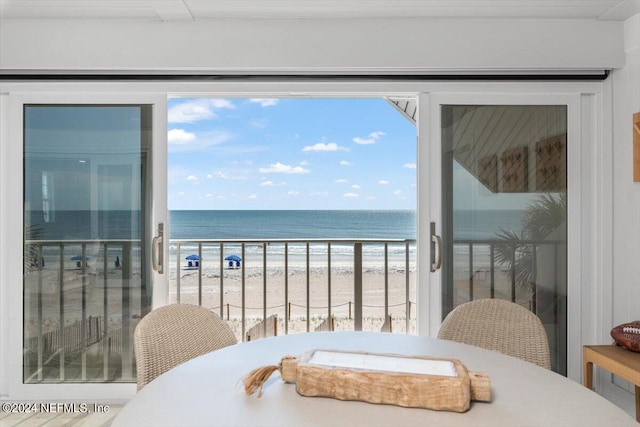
(409, 381)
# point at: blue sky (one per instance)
(290, 153)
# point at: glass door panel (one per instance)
(504, 211)
(86, 174)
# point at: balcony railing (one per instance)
(83, 299)
(269, 267)
(517, 277)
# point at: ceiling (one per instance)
(198, 10)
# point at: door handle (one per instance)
(157, 250)
(436, 249)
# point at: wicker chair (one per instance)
(499, 325)
(174, 334)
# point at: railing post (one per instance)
(178, 274)
(471, 273)
(513, 273)
(242, 270)
(227, 311)
(357, 285)
(287, 314)
(406, 285)
(329, 279)
(126, 346)
(308, 291)
(264, 287)
(492, 270)
(222, 281)
(200, 273)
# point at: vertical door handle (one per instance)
(436, 249)
(157, 250)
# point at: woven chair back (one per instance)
(499, 325)
(174, 334)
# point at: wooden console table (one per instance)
(618, 361)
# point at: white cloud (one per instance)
(356, 187)
(221, 103)
(321, 146)
(398, 193)
(252, 197)
(192, 178)
(371, 139)
(180, 136)
(181, 193)
(196, 110)
(208, 195)
(340, 181)
(264, 102)
(350, 195)
(345, 163)
(293, 193)
(266, 184)
(209, 176)
(225, 175)
(370, 198)
(182, 142)
(409, 165)
(319, 193)
(304, 163)
(383, 182)
(282, 168)
(258, 123)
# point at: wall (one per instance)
(318, 45)
(626, 193)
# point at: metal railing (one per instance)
(84, 308)
(92, 306)
(523, 261)
(260, 260)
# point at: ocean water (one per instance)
(290, 224)
(329, 224)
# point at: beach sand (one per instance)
(291, 293)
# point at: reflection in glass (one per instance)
(85, 284)
(505, 211)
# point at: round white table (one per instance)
(207, 391)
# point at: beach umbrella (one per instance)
(233, 258)
(79, 258)
(192, 257)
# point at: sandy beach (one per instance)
(290, 293)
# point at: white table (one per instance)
(207, 391)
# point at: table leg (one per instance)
(588, 375)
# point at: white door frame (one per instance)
(594, 289)
(13, 225)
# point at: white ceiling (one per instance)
(181, 10)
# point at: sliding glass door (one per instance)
(90, 215)
(500, 213)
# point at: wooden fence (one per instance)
(70, 339)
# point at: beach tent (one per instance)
(78, 259)
(191, 258)
(233, 259)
